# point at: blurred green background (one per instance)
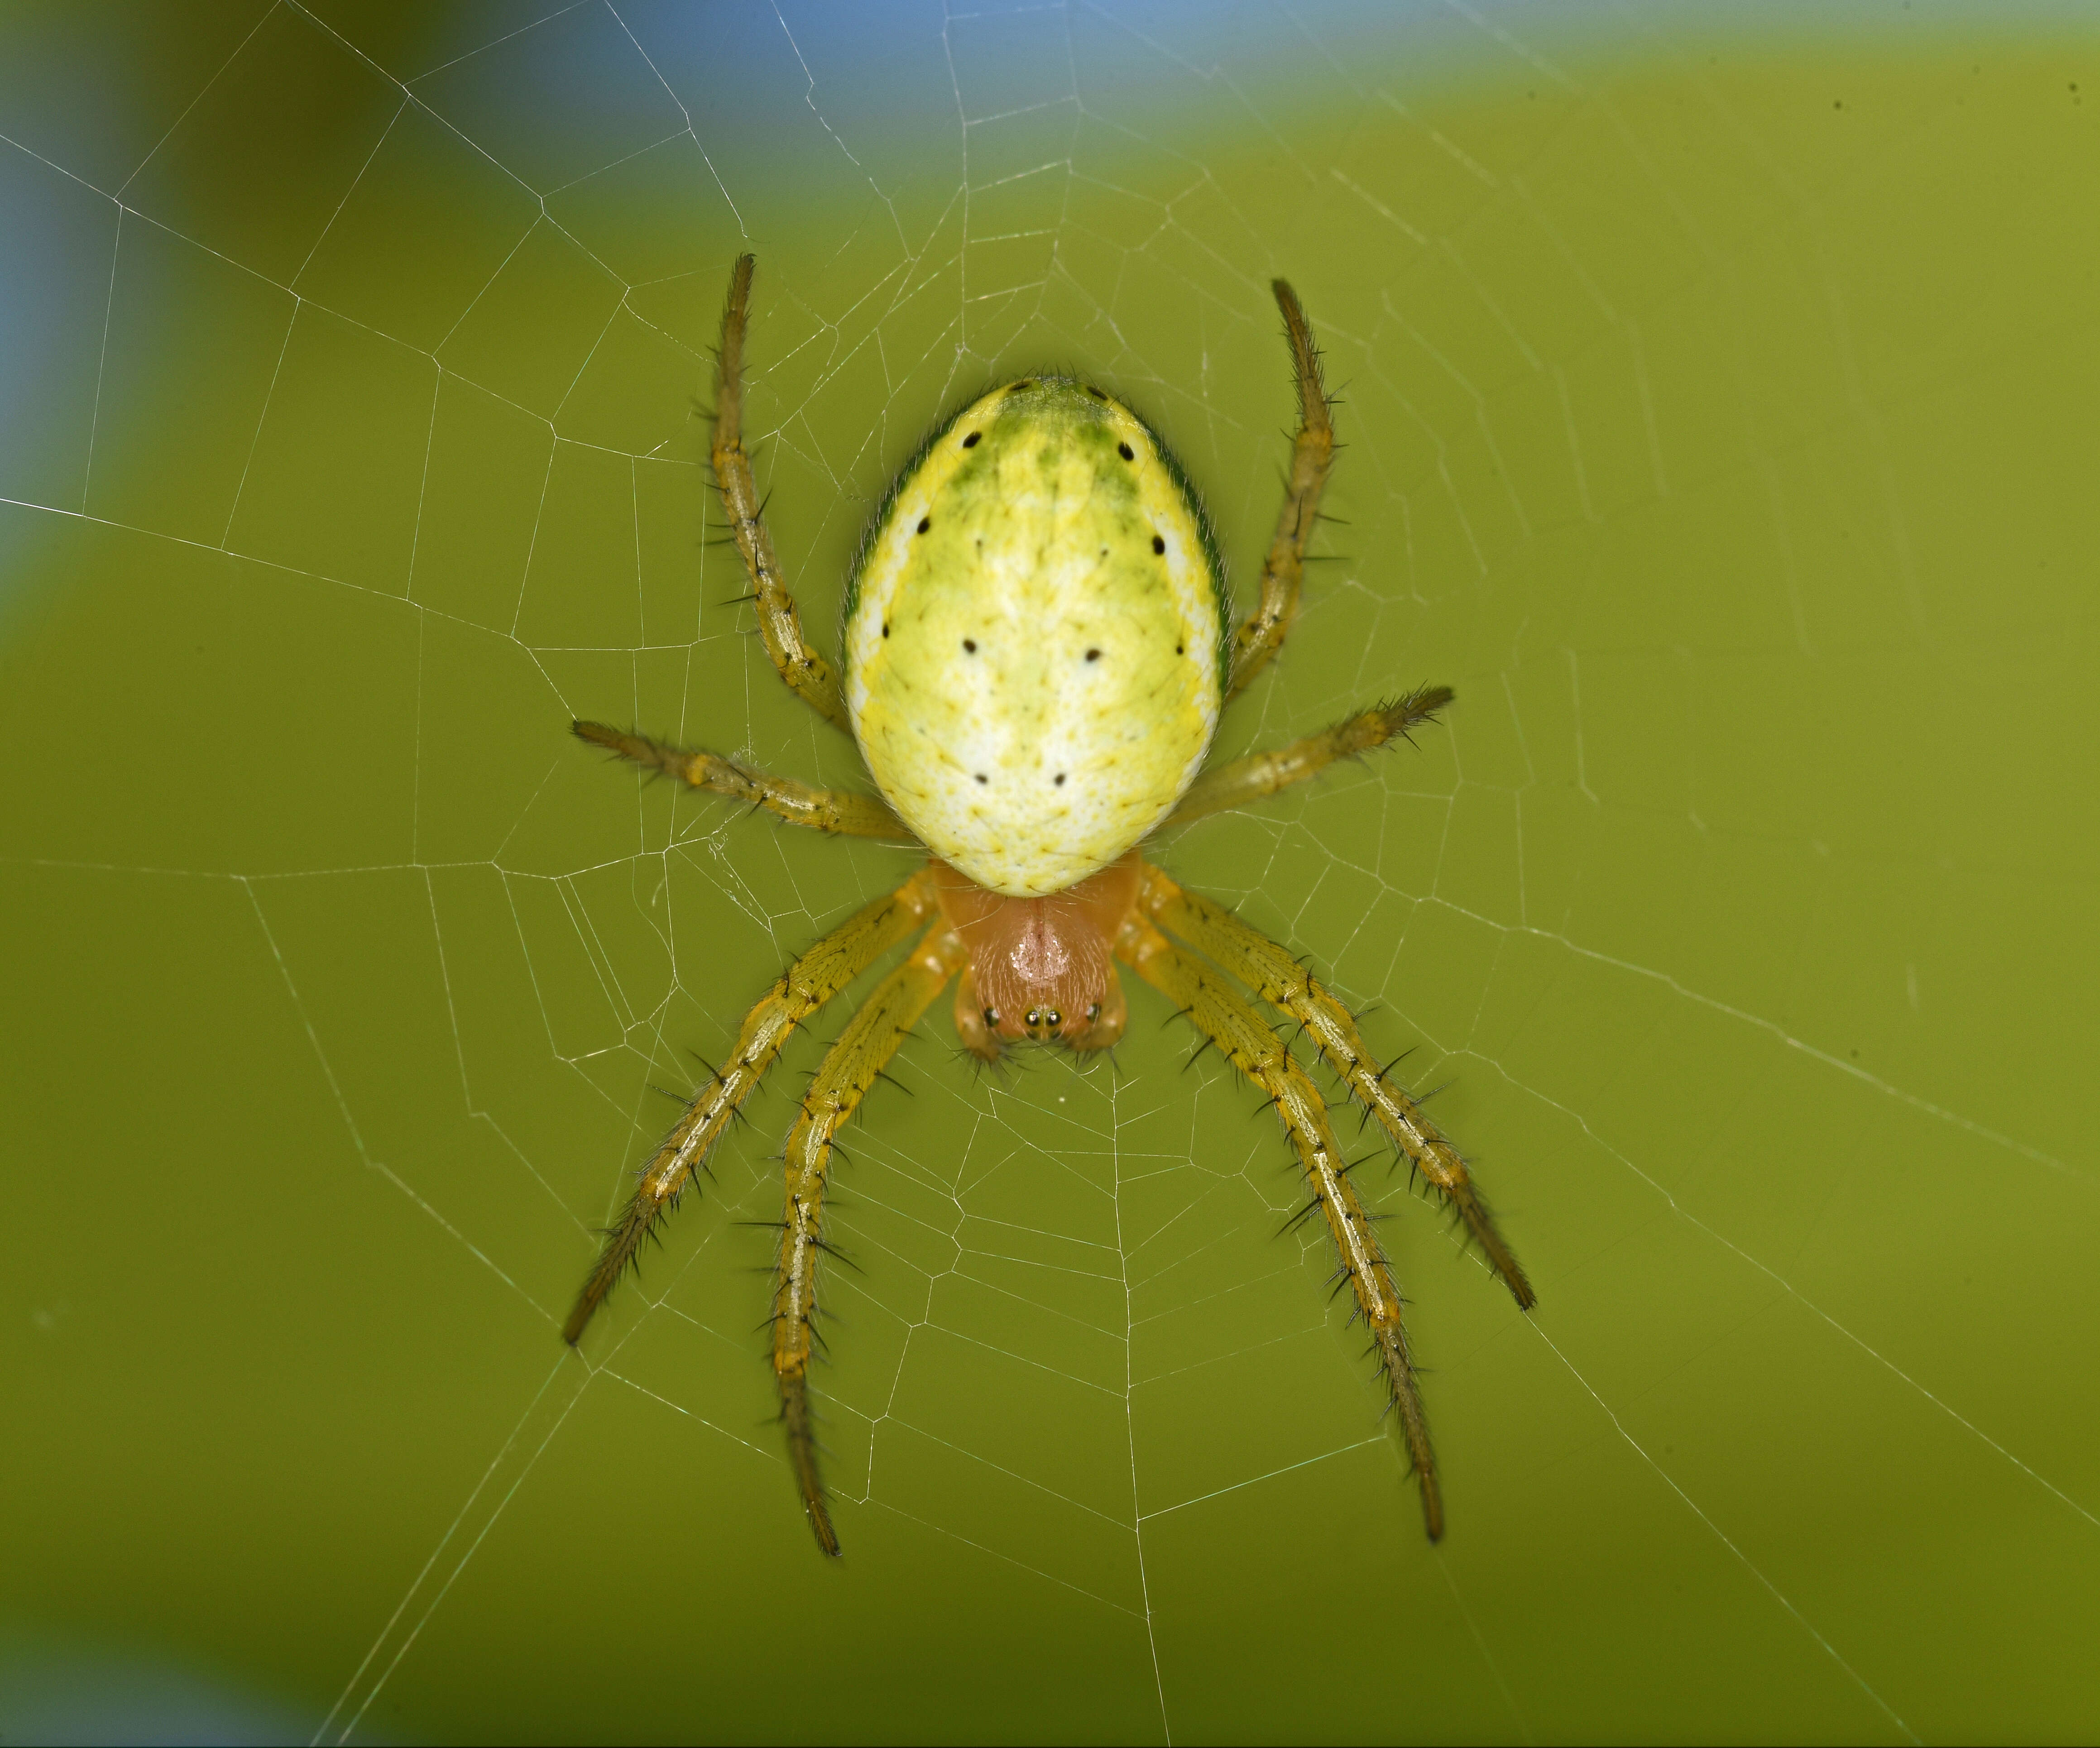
(1720, 387)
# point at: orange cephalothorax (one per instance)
(1040, 968)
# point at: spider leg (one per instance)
(1263, 774)
(836, 810)
(808, 983)
(1311, 459)
(1284, 984)
(1226, 1017)
(808, 675)
(849, 1070)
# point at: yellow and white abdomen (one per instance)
(1035, 637)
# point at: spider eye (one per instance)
(991, 1016)
(1053, 1018)
(1034, 1016)
(1093, 1012)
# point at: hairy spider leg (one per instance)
(1261, 774)
(842, 812)
(808, 983)
(849, 1070)
(808, 675)
(1269, 969)
(1311, 459)
(1226, 1017)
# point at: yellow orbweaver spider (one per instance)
(1037, 647)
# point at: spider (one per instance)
(1038, 645)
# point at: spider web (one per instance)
(354, 452)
